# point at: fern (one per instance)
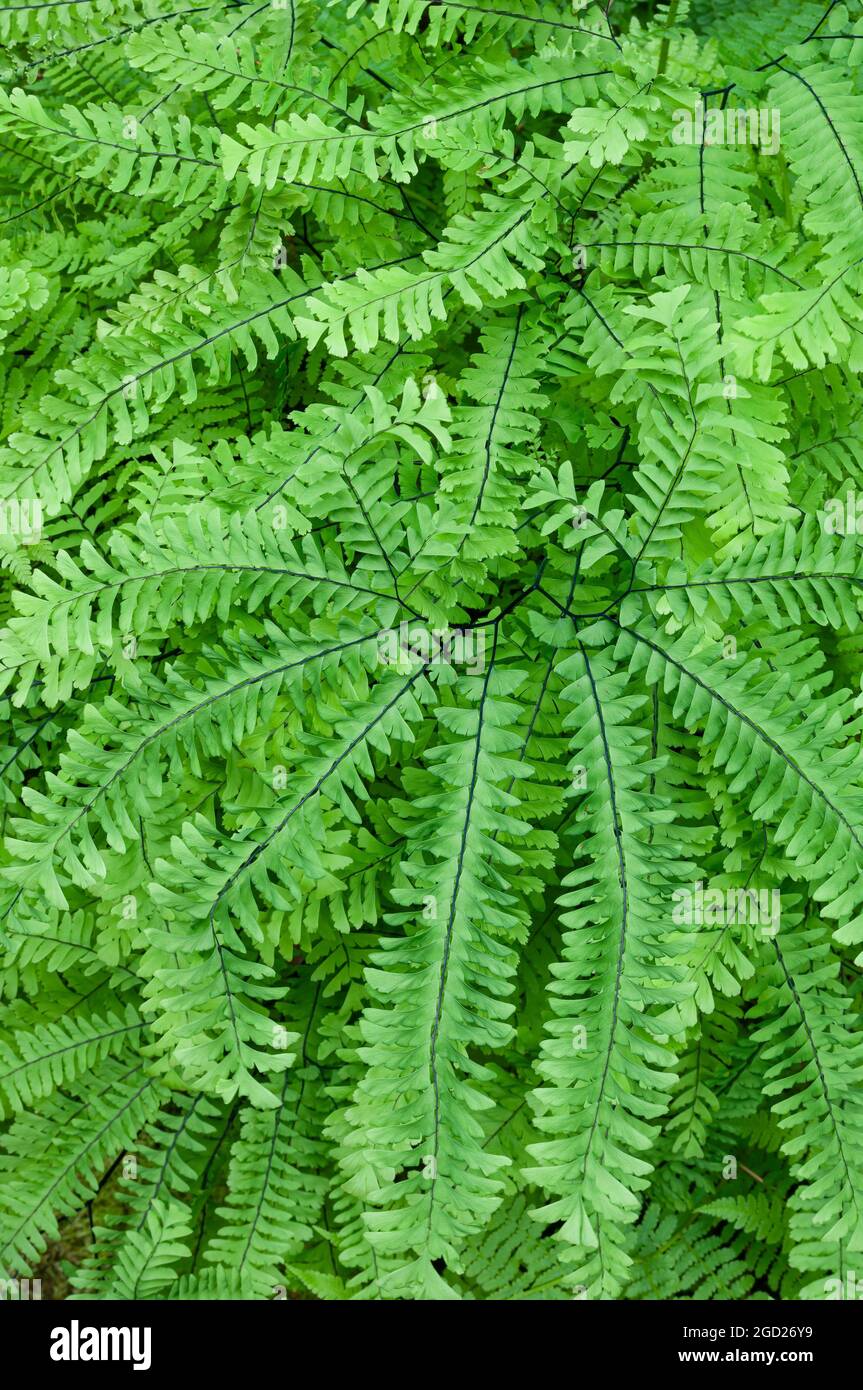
(430, 648)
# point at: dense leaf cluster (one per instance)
(430, 658)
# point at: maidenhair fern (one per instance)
(431, 647)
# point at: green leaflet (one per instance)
(430, 651)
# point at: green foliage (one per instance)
(430, 648)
